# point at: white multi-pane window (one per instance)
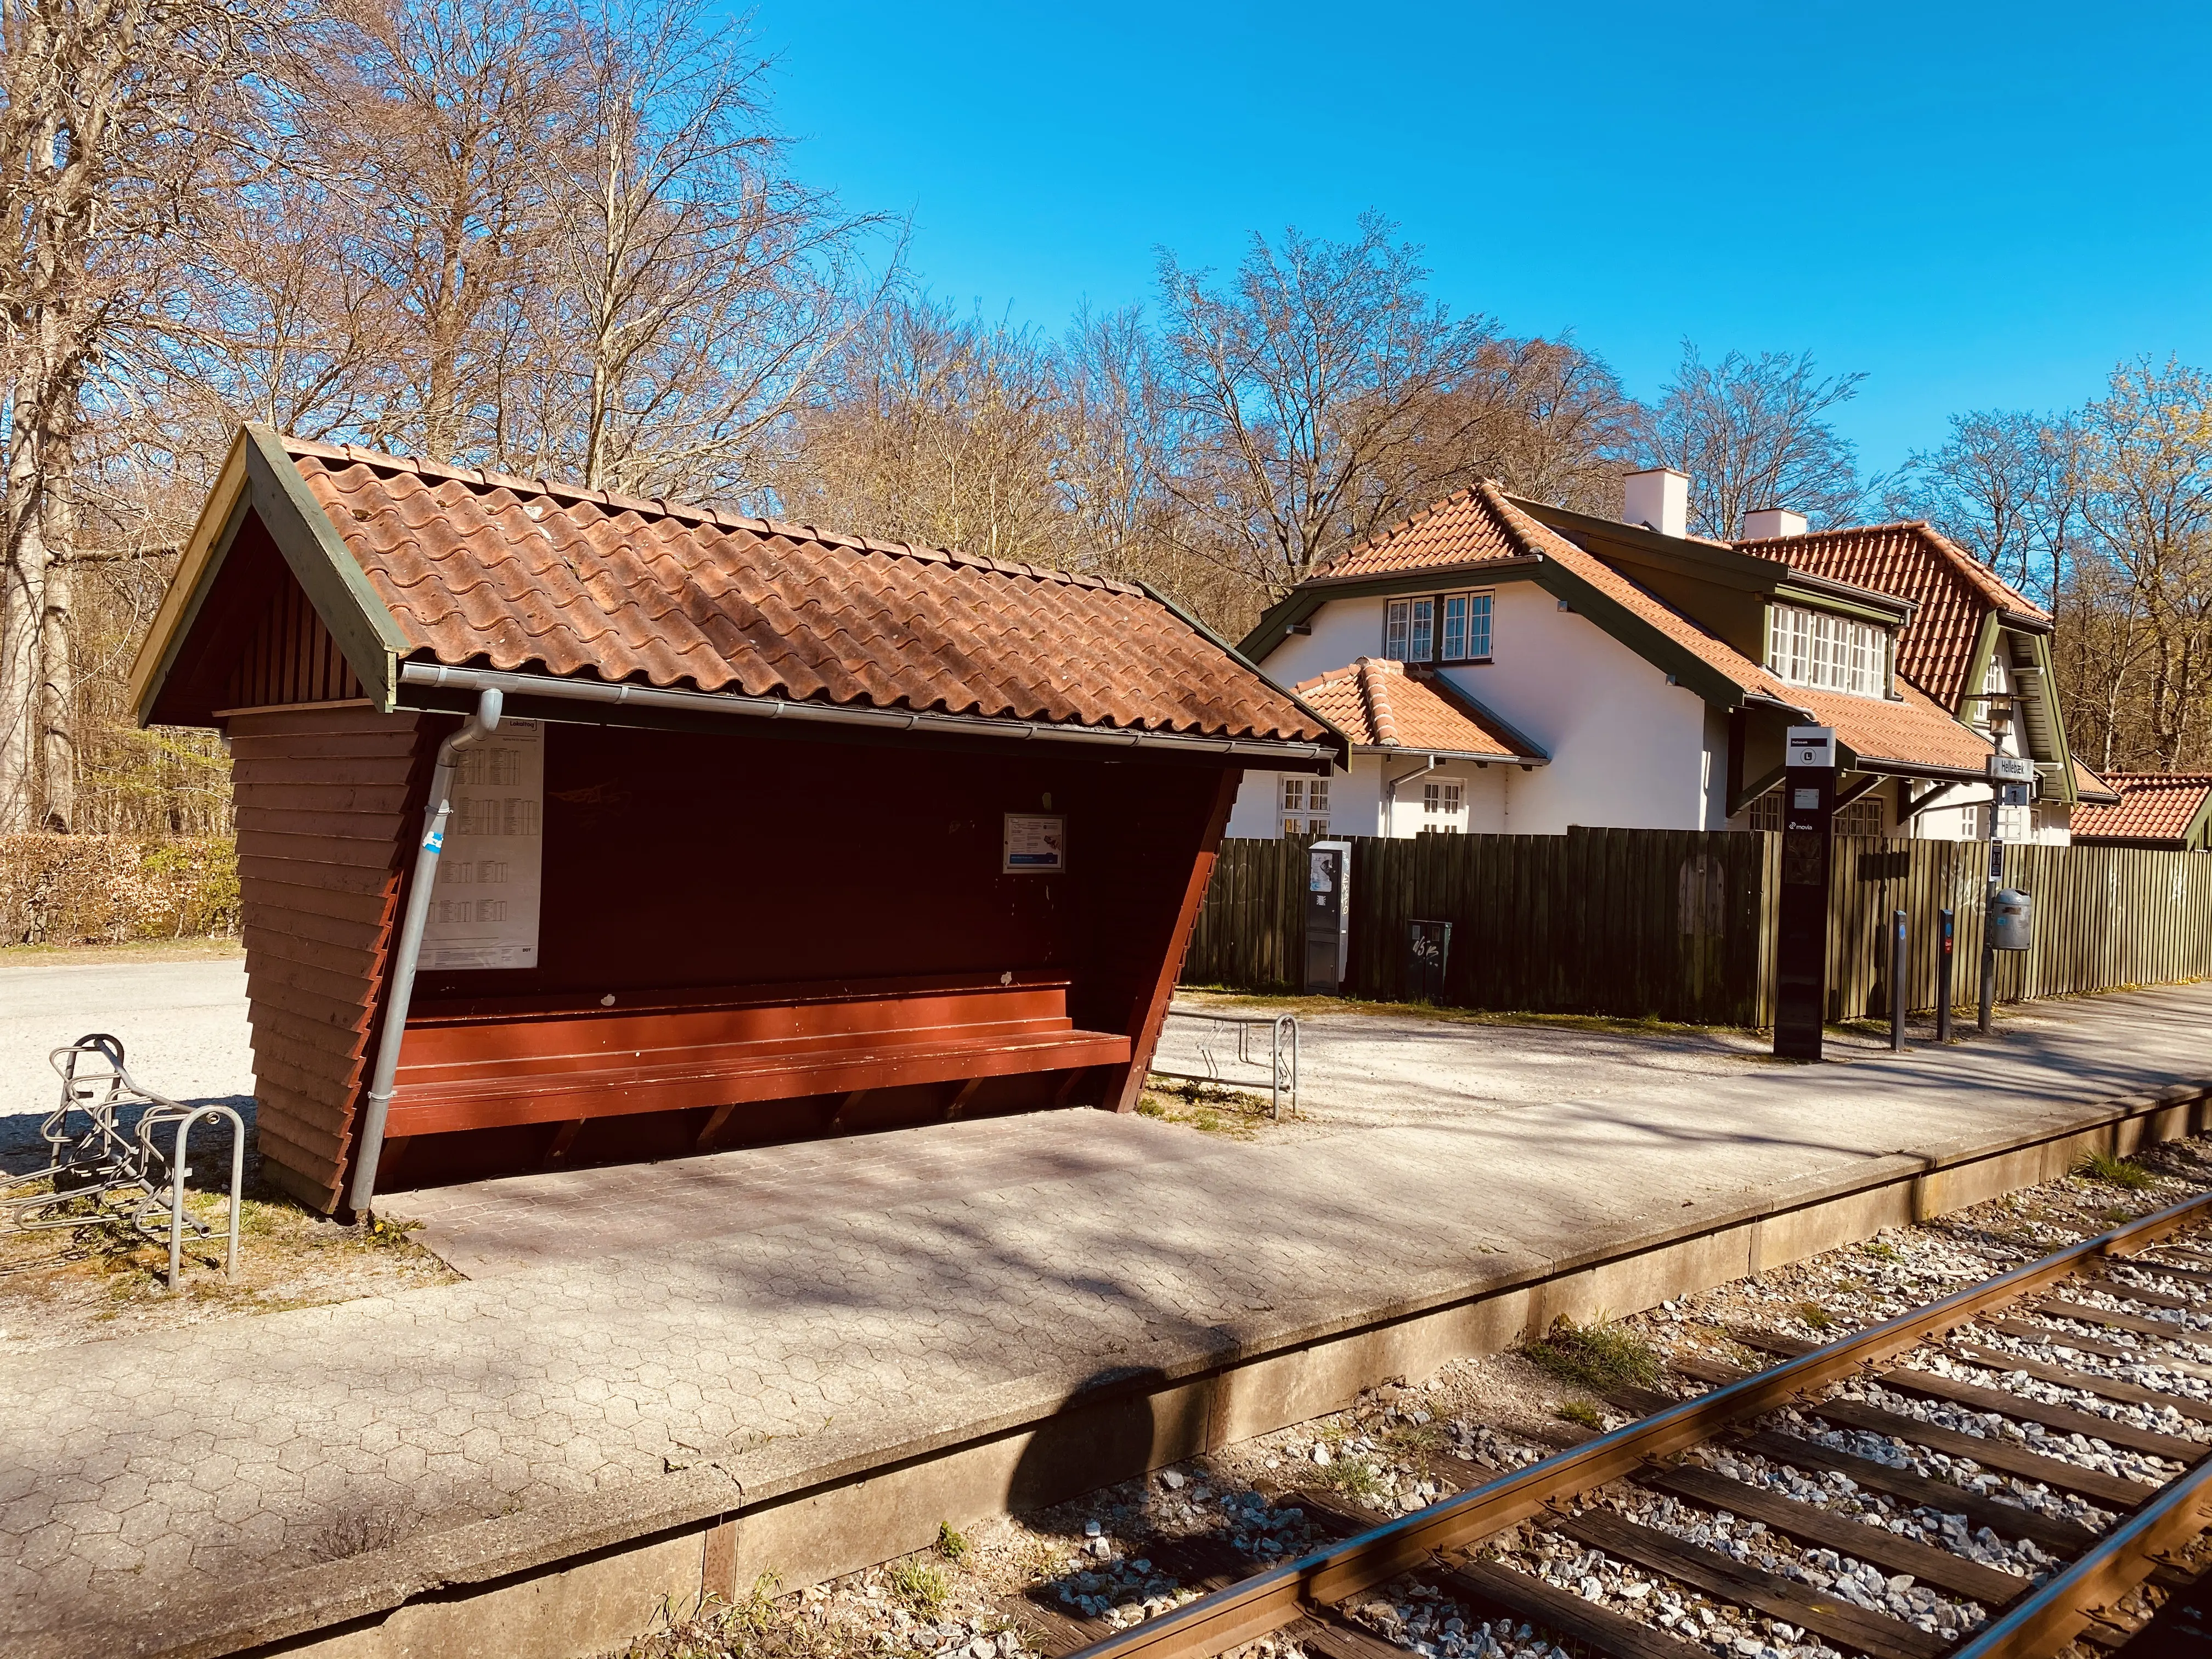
(1440, 806)
(1467, 626)
(1863, 816)
(1832, 652)
(1409, 629)
(1305, 807)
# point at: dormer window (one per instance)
(1447, 627)
(1828, 652)
(1409, 629)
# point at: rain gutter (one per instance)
(896, 720)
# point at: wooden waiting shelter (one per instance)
(748, 831)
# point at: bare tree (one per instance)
(443, 119)
(698, 287)
(1302, 392)
(2001, 486)
(1542, 417)
(2148, 468)
(1752, 432)
(115, 111)
(933, 427)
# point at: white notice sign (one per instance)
(1036, 844)
(484, 911)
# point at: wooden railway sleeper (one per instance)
(1288, 1592)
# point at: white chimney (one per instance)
(1658, 497)
(1762, 523)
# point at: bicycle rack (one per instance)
(121, 1174)
(1281, 1060)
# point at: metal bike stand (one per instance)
(1282, 1061)
(123, 1175)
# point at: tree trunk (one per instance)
(57, 683)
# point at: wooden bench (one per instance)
(491, 1065)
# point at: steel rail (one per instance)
(1269, 1599)
(2115, 1564)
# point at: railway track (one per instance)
(2106, 1504)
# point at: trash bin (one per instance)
(2012, 920)
(1428, 948)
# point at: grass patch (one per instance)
(199, 948)
(1599, 1356)
(1881, 1252)
(949, 1544)
(1358, 1479)
(1208, 1108)
(2115, 1172)
(100, 1275)
(1579, 1412)
(921, 1585)
(1816, 1316)
(1413, 1438)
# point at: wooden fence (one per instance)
(1679, 924)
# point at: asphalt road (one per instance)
(182, 1023)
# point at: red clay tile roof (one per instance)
(2090, 788)
(2153, 806)
(1954, 591)
(1913, 732)
(1444, 537)
(575, 582)
(1378, 705)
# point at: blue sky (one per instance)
(1980, 205)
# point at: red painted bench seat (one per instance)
(491, 1065)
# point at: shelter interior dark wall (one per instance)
(677, 860)
(681, 860)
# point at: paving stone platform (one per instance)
(752, 1331)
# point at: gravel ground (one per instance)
(1009, 1586)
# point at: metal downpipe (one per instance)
(401, 991)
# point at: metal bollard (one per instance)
(1949, 923)
(1897, 990)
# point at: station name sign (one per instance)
(1810, 745)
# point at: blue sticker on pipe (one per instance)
(434, 842)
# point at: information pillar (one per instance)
(1801, 954)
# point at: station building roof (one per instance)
(1953, 593)
(1379, 705)
(1481, 526)
(2153, 809)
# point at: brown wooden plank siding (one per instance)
(1679, 924)
(322, 795)
(290, 658)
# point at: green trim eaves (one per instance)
(2193, 837)
(1814, 598)
(1977, 667)
(331, 577)
(2047, 668)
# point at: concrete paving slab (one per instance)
(574, 1216)
(153, 1487)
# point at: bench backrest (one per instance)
(449, 1044)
